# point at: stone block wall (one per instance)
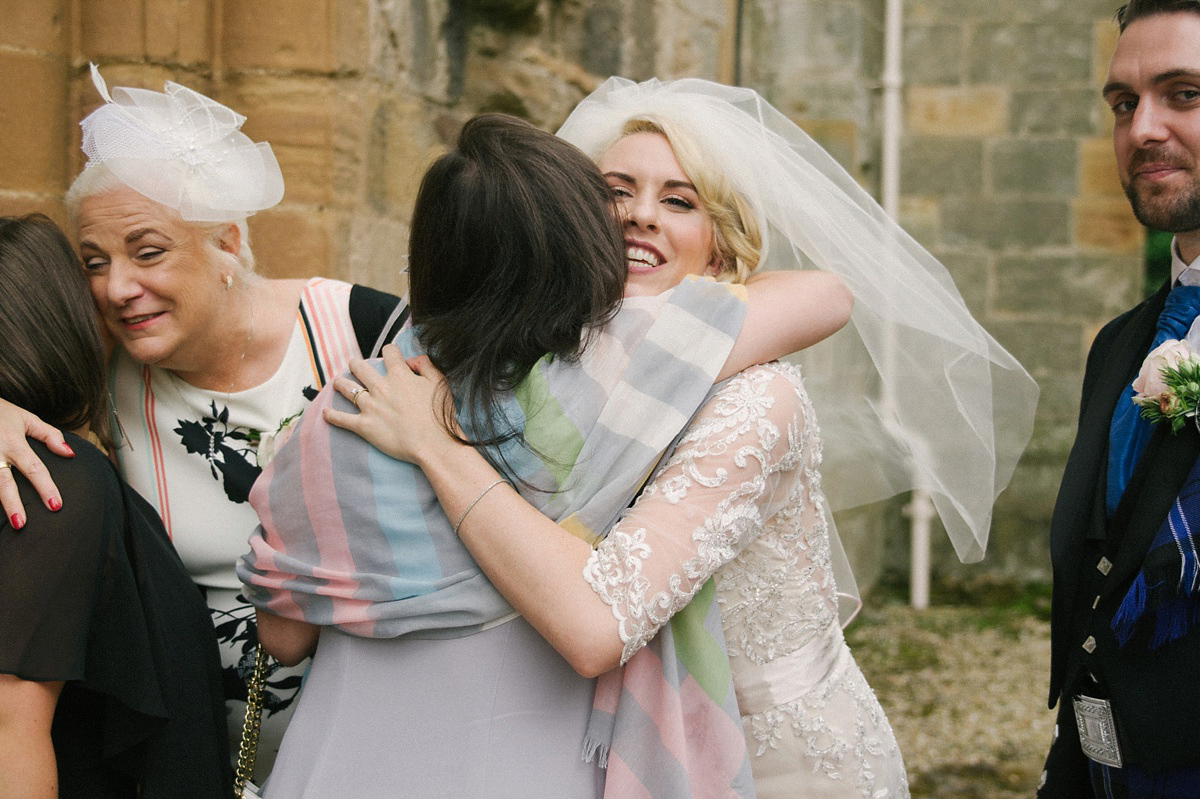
(1007, 172)
(35, 98)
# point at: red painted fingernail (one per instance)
(69, 450)
(18, 521)
(55, 503)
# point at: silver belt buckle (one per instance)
(1097, 730)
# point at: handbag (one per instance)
(243, 785)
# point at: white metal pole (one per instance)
(920, 511)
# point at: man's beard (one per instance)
(1162, 209)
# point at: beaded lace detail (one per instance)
(741, 498)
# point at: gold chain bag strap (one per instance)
(243, 787)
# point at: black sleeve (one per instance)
(52, 570)
(370, 313)
(96, 596)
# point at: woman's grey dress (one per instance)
(491, 715)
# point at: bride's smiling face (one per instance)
(668, 233)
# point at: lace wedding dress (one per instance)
(741, 499)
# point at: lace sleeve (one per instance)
(738, 463)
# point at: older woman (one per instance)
(110, 681)
(209, 358)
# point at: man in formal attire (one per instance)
(1125, 663)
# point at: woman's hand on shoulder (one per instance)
(399, 412)
(17, 426)
(789, 311)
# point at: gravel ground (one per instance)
(965, 689)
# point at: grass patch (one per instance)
(1027, 598)
(964, 781)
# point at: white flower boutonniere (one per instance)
(269, 444)
(1168, 385)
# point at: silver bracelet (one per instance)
(458, 524)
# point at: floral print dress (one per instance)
(194, 454)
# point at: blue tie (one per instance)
(1130, 433)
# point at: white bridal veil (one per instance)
(914, 390)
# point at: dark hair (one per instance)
(1136, 9)
(52, 360)
(514, 252)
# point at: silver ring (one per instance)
(354, 392)
(5, 465)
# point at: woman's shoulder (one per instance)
(332, 287)
(772, 392)
(82, 475)
(53, 570)
(368, 314)
(90, 490)
(775, 370)
(776, 378)
(88, 485)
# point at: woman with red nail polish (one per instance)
(110, 681)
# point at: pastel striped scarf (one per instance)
(353, 538)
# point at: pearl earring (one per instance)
(228, 280)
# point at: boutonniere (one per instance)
(1168, 385)
(269, 444)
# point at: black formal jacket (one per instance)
(1155, 695)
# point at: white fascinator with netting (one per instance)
(183, 150)
(913, 392)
